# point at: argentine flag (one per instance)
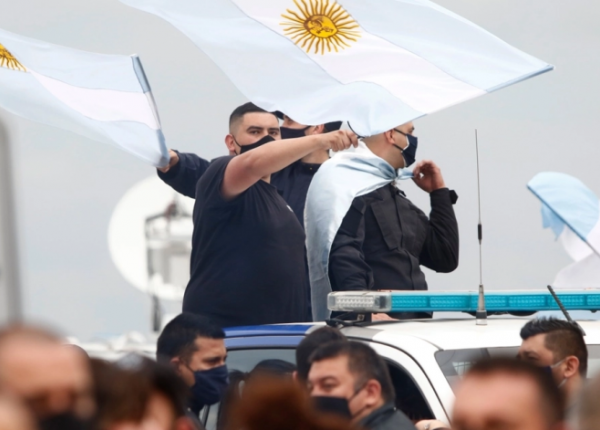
(572, 211)
(375, 64)
(106, 98)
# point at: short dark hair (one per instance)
(310, 344)
(563, 338)
(178, 337)
(239, 112)
(551, 398)
(363, 362)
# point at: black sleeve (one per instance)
(184, 176)
(348, 269)
(440, 252)
(209, 194)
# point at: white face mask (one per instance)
(564, 381)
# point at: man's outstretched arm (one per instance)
(246, 169)
(183, 172)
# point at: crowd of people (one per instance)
(278, 224)
(335, 384)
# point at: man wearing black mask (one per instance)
(383, 239)
(248, 259)
(185, 169)
(195, 347)
(293, 181)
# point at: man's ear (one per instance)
(373, 390)
(230, 143)
(389, 137)
(175, 362)
(572, 366)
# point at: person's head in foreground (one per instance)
(195, 347)
(52, 379)
(251, 127)
(353, 374)
(310, 344)
(507, 394)
(274, 403)
(558, 346)
(14, 415)
(137, 393)
(397, 146)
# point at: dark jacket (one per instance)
(384, 239)
(387, 417)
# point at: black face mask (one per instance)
(410, 152)
(332, 405)
(209, 387)
(261, 142)
(64, 421)
(293, 133)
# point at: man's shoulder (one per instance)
(388, 418)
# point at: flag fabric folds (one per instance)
(374, 64)
(106, 98)
(572, 211)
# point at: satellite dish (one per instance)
(149, 238)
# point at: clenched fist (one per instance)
(428, 176)
(338, 140)
(173, 159)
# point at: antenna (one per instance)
(481, 314)
(563, 309)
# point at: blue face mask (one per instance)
(209, 387)
(410, 152)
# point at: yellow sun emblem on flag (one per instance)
(7, 60)
(321, 25)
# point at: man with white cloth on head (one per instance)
(362, 231)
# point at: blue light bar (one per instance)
(461, 301)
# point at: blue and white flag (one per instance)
(103, 97)
(571, 210)
(375, 64)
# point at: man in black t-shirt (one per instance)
(247, 264)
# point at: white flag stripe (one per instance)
(372, 59)
(101, 105)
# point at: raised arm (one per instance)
(250, 167)
(183, 172)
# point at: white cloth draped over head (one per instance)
(338, 182)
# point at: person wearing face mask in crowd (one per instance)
(374, 237)
(52, 379)
(195, 347)
(559, 347)
(248, 258)
(356, 383)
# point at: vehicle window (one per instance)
(454, 363)
(409, 398)
(244, 360)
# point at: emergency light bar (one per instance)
(460, 301)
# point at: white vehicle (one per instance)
(426, 357)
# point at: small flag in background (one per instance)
(375, 64)
(103, 97)
(572, 211)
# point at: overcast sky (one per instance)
(67, 186)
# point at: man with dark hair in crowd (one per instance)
(558, 346)
(138, 393)
(357, 376)
(248, 260)
(508, 394)
(310, 344)
(195, 347)
(53, 379)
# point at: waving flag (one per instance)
(373, 63)
(103, 97)
(572, 211)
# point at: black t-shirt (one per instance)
(247, 263)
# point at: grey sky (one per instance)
(68, 186)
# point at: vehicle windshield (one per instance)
(454, 363)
